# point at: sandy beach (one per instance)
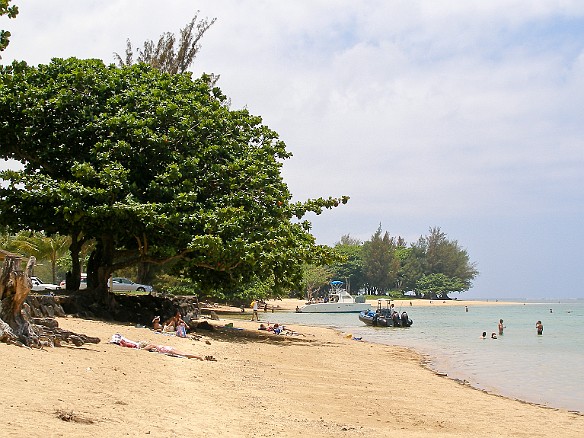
(317, 384)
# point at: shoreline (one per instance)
(316, 384)
(428, 360)
(290, 304)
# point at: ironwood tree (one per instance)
(378, 254)
(168, 55)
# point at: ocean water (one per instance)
(546, 370)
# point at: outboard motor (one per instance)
(404, 319)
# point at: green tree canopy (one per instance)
(350, 267)
(315, 277)
(154, 168)
(431, 267)
(439, 285)
(378, 261)
(436, 254)
(11, 12)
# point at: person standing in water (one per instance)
(539, 327)
(501, 327)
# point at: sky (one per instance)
(464, 115)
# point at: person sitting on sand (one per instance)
(262, 327)
(172, 323)
(181, 330)
(156, 324)
(274, 328)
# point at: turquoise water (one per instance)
(545, 369)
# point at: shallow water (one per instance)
(519, 364)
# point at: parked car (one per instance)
(38, 285)
(82, 285)
(121, 284)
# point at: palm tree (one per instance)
(43, 247)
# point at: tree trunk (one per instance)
(99, 270)
(99, 267)
(15, 286)
(15, 327)
(146, 272)
(73, 277)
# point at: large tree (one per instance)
(438, 265)
(378, 256)
(314, 278)
(153, 167)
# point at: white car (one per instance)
(82, 284)
(38, 285)
(120, 284)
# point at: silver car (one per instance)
(121, 284)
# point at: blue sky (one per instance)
(463, 115)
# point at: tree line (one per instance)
(431, 267)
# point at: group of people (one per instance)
(278, 329)
(173, 324)
(538, 326)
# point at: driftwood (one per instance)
(16, 325)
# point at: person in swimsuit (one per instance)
(173, 322)
(163, 349)
(156, 324)
(171, 351)
(539, 327)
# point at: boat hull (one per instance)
(376, 320)
(335, 308)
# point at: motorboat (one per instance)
(385, 316)
(337, 301)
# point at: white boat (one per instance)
(339, 301)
